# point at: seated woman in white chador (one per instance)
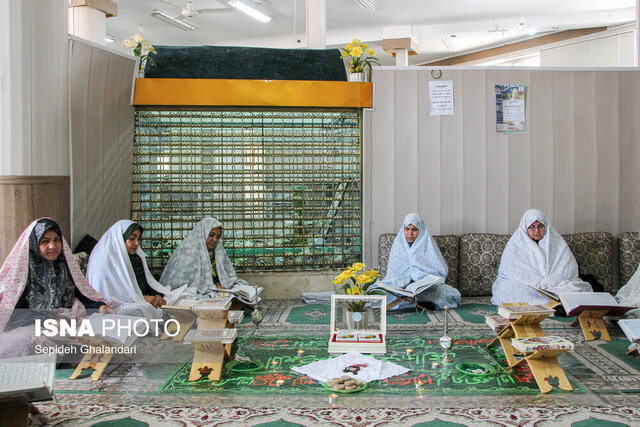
(118, 270)
(536, 256)
(629, 294)
(414, 255)
(201, 261)
(41, 279)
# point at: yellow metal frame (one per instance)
(266, 93)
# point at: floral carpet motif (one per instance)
(88, 414)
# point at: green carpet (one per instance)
(597, 422)
(426, 350)
(619, 348)
(314, 314)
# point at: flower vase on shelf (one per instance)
(356, 77)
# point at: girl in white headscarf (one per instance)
(414, 255)
(536, 255)
(118, 270)
(201, 261)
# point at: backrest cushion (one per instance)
(480, 255)
(594, 254)
(629, 255)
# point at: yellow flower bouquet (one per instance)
(357, 280)
(360, 56)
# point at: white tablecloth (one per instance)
(324, 370)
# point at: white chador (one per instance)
(547, 264)
(190, 262)
(110, 271)
(629, 294)
(410, 263)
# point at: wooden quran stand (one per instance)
(592, 324)
(210, 355)
(185, 318)
(207, 357)
(91, 360)
(543, 363)
(401, 298)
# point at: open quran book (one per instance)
(413, 288)
(575, 303)
(247, 294)
(631, 328)
(28, 376)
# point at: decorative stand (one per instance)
(592, 324)
(212, 315)
(353, 331)
(445, 340)
(96, 361)
(210, 349)
(542, 362)
(185, 318)
(403, 298)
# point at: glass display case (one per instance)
(358, 323)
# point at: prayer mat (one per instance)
(468, 314)
(619, 348)
(276, 356)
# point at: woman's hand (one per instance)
(105, 309)
(155, 300)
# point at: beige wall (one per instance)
(578, 161)
(34, 118)
(102, 123)
(614, 48)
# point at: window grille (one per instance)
(286, 185)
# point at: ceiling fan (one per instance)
(189, 11)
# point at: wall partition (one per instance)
(578, 159)
(285, 184)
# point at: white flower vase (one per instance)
(357, 77)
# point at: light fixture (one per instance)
(109, 39)
(250, 11)
(369, 5)
(171, 20)
(525, 27)
(451, 44)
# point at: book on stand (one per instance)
(413, 288)
(575, 303)
(246, 294)
(514, 311)
(497, 323)
(30, 377)
(631, 328)
(554, 299)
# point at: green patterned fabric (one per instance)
(619, 348)
(442, 379)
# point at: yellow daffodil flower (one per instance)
(357, 266)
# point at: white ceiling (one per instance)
(472, 22)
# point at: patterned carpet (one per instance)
(130, 394)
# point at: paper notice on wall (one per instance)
(441, 97)
(510, 112)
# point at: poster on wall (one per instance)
(510, 115)
(441, 97)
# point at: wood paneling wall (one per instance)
(102, 123)
(27, 198)
(578, 160)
